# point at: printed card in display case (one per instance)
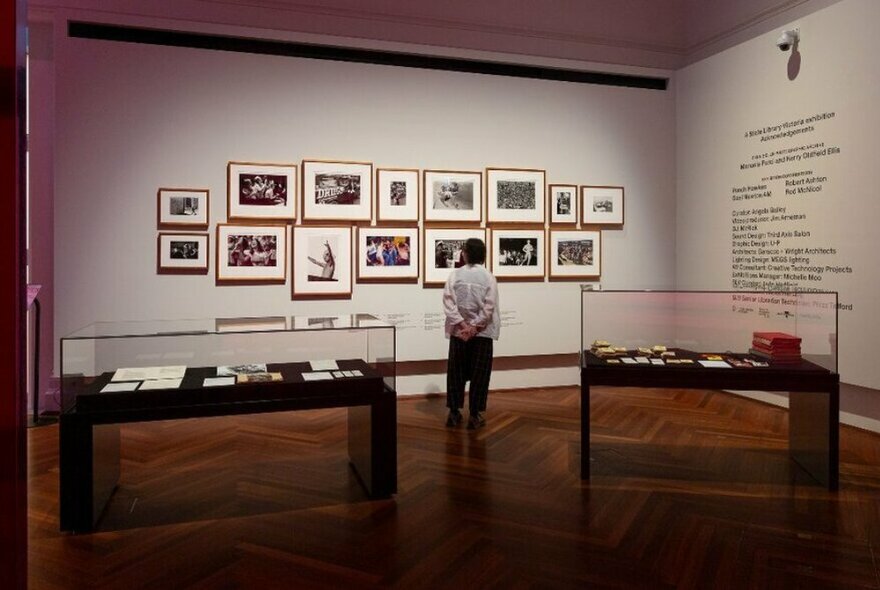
(455, 196)
(251, 253)
(515, 195)
(602, 205)
(337, 191)
(180, 253)
(388, 254)
(261, 192)
(563, 204)
(183, 208)
(398, 195)
(322, 265)
(518, 254)
(575, 255)
(443, 252)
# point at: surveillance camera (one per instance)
(787, 39)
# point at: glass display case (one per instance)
(712, 329)
(127, 358)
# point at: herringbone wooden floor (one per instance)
(690, 489)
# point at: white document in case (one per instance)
(160, 384)
(656, 361)
(357, 373)
(322, 376)
(715, 364)
(218, 381)
(326, 365)
(338, 374)
(642, 360)
(628, 361)
(149, 373)
(114, 387)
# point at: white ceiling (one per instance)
(651, 33)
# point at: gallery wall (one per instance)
(776, 157)
(133, 118)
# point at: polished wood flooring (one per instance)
(690, 489)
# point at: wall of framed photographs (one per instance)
(158, 117)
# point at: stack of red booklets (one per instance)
(778, 347)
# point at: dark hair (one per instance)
(475, 251)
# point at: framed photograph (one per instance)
(180, 253)
(518, 254)
(261, 192)
(322, 265)
(397, 191)
(453, 196)
(183, 207)
(337, 191)
(251, 253)
(443, 252)
(575, 255)
(389, 254)
(515, 195)
(602, 205)
(563, 204)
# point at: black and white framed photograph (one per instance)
(261, 192)
(563, 204)
(389, 254)
(518, 254)
(180, 253)
(602, 205)
(251, 253)
(453, 196)
(183, 208)
(322, 265)
(398, 195)
(575, 255)
(515, 195)
(443, 252)
(337, 191)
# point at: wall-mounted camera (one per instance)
(787, 39)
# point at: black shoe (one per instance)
(476, 420)
(453, 419)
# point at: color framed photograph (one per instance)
(180, 253)
(602, 205)
(322, 264)
(388, 254)
(337, 191)
(183, 208)
(453, 196)
(251, 253)
(563, 204)
(398, 195)
(575, 255)
(443, 252)
(261, 192)
(518, 254)
(515, 195)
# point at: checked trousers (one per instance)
(468, 361)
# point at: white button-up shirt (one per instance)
(471, 295)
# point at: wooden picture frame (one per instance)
(261, 192)
(602, 205)
(562, 204)
(518, 254)
(337, 191)
(398, 195)
(184, 208)
(323, 267)
(251, 254)
(380, 250)
(182, 253)
(516, 195)
(574, 255)
(434, 274)
(452, 196)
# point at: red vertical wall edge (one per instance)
(13, 444)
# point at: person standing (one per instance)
(473, 323)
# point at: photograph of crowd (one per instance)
(563, 203)
(252, 250)
(448, 253)
(184, 250)
(322, 255)
(387, 250)
(188, 206)
(449, 194)
(603, 205)
(398, 193)
(338, 189)
(268, 190)
(516, 194)
(517, 252)
(575, 253)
